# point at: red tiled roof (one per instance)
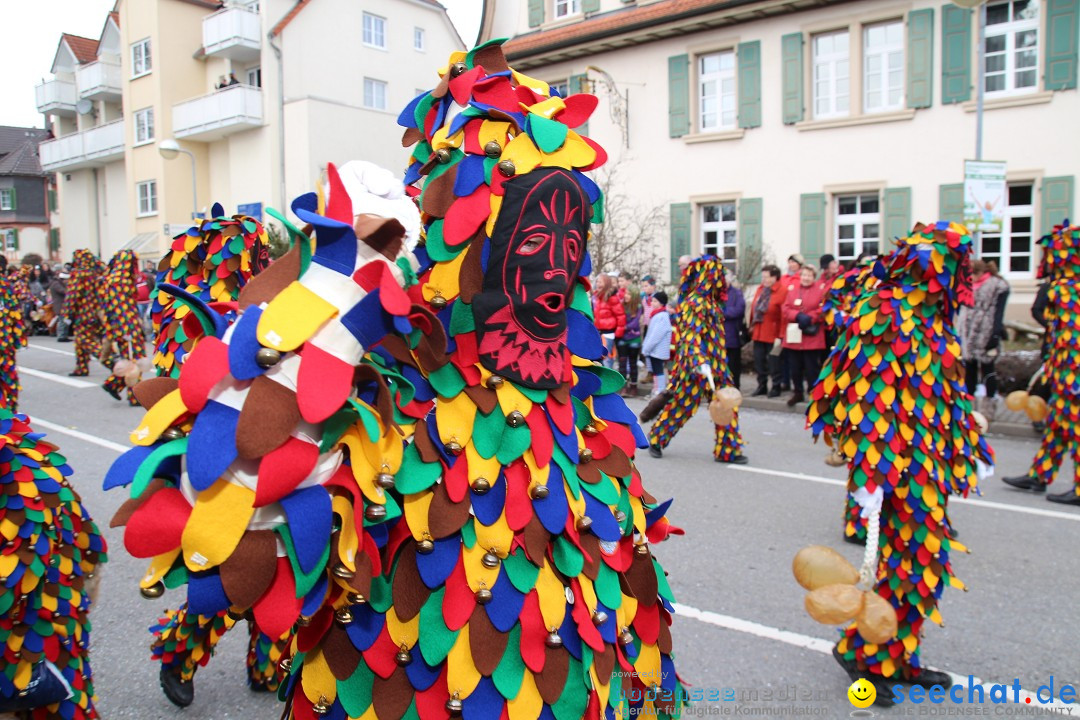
(115, 16)
(84, 49)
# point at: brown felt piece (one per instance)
(647, 498)
(384, 235)
(663, 641)
(408, 592)
(250, 569)
(230, 231)
(486, 643)
(439, 194)
(431, 350)
(399, 349)
(536, 540)
(148, 392)
(361, 579)
(432, 161)
(445, 517)
(471, 274)
(641, 576)
(128, 508)
(265, 286)
(616, 464)
(591, 545)
(552, 679)
(410, 137)
(392, 696)
(589, 472)
(561, 393)
(424, 444)
(442, 88)
(269, 416)
(484, 398)
(491, 59)
(340, 654)
(18, 517)
(497, 114)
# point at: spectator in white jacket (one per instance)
(657, 344)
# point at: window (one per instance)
(1011, 249)
(253, 76)
(858, 226)
(419, 42)
(374, 31)
(140, 58)
(716, 96)
(561, 86)
(147, 192)
(831, 71)
(719, 232)
(1012, 46)
(11, 238)
(374, 94)
(566, 8)
(144, 126)
(7, 199)
(883, 67)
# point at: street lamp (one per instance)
(980, 88)
(169, 149)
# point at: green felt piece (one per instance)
(489, 166)
(598, 210)
(436, 246)
(461, 318)
(393, 510)
(548, 134)
(177, 577)
(468, 533)
(415, 474)
(371, 423)
(607, 587)
(611, 381)
(663, 589)
(149, 466)
(304, 582)
(407, 271)
(487, 432)
(581, 301)
(422, 108)
(411, 713)
(249, 227)
(510, 671)
(335, 426)
(436, 639)
(354, 692)
(447, 381)
(520, 571)
(571, 704)
(569, 471)
(515, 441)
(380, 598)
(568, 558)
(605, 491)
(534, 394)
(624, 506)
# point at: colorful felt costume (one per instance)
(123, 325)
(51, 550)
(12, 337)
(84, 304)
(891, 398)
(698, 344)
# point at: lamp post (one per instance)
(169, 149)
(980, 88)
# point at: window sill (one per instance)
(870, 119)
(142, 74)
(139, 216)
(1037, 98)
(376, 47)
(714, 136)
(140, 143)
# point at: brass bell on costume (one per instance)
(438, 301)
(480, 485)
(267, 357)
(495, 382)
(425, 547)
(642, 549)
(356, 599)
(403, 656)
(453, 706)
(286, 664)
(343, 615)
(590, 430)
(154, 591)
(620, 517)
(454, 447)
(490, 560)
(374, 513)
(539, 492)
(483, 596)
(515, 419)
(599, 617)
(583, 523)
(173, 433)
(322, 707)
(553, 640)
(458, 68)
(585, 455)
(507, 168)
(342, 572)
(385, 481)
(442, 155)
(625, 637)
(492, 148)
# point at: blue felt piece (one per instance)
(613, 407)
(433, 433)
(587, 384)
(365, 628)
(366, 320)
(479, 704)
(485, 254)
(657, 512)
(206, 595)
(546, 713)
(123, 469)
(582, 337)
(47, 485)
(591, 189)
(607, 629)
(506, 603)
(412, 174)
(604, 525)
(243, 345)
(380, 533)
(336, 246)
(310, 522)
(470, 175)
(552, 510)
(586, 266)
(569, 634)
(567, 442)
(401, 324)
(641, 441)
(421, 675)
(212, 444)
(424, 391)
(407, 117)
(217, 211)
(200, 308)
(422, 257)
(488, 507)
(435, 567)
(337, 712)
(314, 599)
(32, 642)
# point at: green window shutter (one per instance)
(1057, 202)
(54, 240)
(955, 54)
(15, 235)
(590, 6)
(750, 232)
(791, 51)
(951, 203)
(1062, 40)
(680, 236)
(576, 84)
(52, 201)
(749, 60)
(897, 202)
(920, 60)
(812, 226)
(678, 68)
(536, 13)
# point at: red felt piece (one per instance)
(542, 439)
(466, 216)
(472, 144)
(204, 367)
(526, 96)
(592, 710)
(278, 609)
(192, 327)
(496, 91)
(578, 109)
(283, 469)
(303, 708)
(158, 524)
(599, 444)
(562, 415)
(620, 436)
(456, 480)
(459, 601)
(431, 703)
(518, 507)
(323, 383)
(461, 86)
(467, 353)
(601, 155)
(647, 624)
(589, 633)
(339, 204)
(380, 657)
(309, 636)
(533, 633)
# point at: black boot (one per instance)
(655, 451)
(180, 692)
(1069, 497)
(1026, 483)
(761, 391)
(855, 539)
(739, 459)
(775, 392)
(930, 678)
(881, 684)
(795, 399)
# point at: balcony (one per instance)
(233, 33)
(99, 80)
(56, 96)
(89, 148)
(223, 112)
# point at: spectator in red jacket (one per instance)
(608, 314)
(765, 330)
(804, 331)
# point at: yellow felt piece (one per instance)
(647, 664)
(8, 530)
(552, 595)
(416, 514)
(493, 130)
(539, 475)
(444, 279)
(638, 510)
(627, 611)
(388, 451)
(602, 686)
(319, 682)
(522, 153)
(455, 418)
(588, 592)
(348, 540)
(8, 563)
(494, 204)
(538, 86)
(159, 568)
(475, 572)
(455, 57)
(528, 704)
(67, 565)
(402, 633)
(480, 467)
(293, 317)
(441, 140)
(461, 673)
(497, 537)
(217, 523)
(578, 361)
(546, 108)
(888, 667)
(23, 670)
(574, 153)
(362, 471)
(49, 602)
(158, 419)
(511, 399)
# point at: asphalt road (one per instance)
(741, 632)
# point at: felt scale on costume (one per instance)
(123, 325)
(12, 337)
(84, 301)
(51, 550)
(891, 399)
(698, 341)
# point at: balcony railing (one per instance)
(99, 80)
(232, 32)
(223, 112)
(56, 96)
(89, 148)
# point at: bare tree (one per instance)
(627, 238)
(751, 260)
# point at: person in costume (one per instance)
(892, 400)
(83, 305)
(123, 325)
(699, 366)
(1061, 436)
(12, 337)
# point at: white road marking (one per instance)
(976, 502)
(58, 351)
(85, 437)
(53, 377)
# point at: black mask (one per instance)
(536, 252)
